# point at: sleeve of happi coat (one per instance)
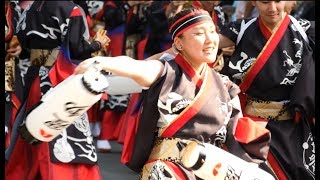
(80, 47)
(231, 30)
(245, 138)
(302, 98)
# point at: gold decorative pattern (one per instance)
(270, 110)
(9, 74)
(164, 149)
(43, 57)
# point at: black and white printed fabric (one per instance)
(75, 144)
(287, 76)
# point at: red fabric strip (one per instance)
(61, 69)
(189, 70)
(110, 3)
(15, 101)
(141, 45)
(265, 31)
(179, 175)
(129, 15)
(99, 15)
(117, 37)
(197, 4)
(297, 117)
(165, 6)
(191, 110)
(104, 96)
(183, 18)
(9, 22)
(215, 20)
(132, 127)
(248, 131)
(276, 167)
(264, 56)
(75, 12)
(188, 27)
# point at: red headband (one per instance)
(188, 21)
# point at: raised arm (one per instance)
(157, 56)
(143, 72)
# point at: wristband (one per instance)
(99, 44)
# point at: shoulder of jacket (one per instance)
(167, 57)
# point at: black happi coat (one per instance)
(47, 23)
(288, 75)
(12, 98)
(215, 122)
(58, 24)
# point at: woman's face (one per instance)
(271, 12)
(199, 43)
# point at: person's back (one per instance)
(48, 23)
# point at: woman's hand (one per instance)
(14, 47)
(143, 72)
(88, 65)
(14, 51)
(102, 38)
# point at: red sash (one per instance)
(255, 69)
(9, 22)
(264, 54)
(197, 103)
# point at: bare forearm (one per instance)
(143, 72)
(157, 56)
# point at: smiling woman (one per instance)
(195, 38)
(187, 103)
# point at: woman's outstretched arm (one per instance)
(143, 72)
